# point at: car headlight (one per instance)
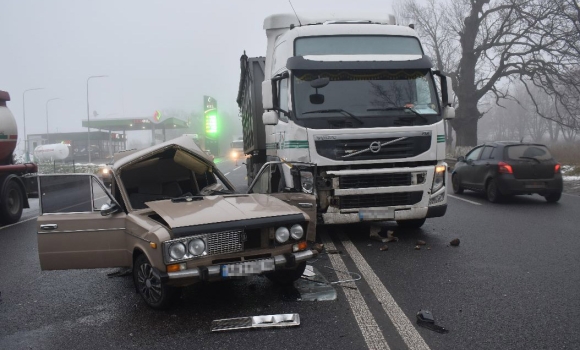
(296, 232)
(282, 234)
(105, 171)
(439, 178)
(177, 251)
(307, 181)
(196, 247)
(234, 154)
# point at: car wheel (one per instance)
(11, 204)
(287, 276)
(156, 294)
(415, 223)
(553, 197)
(457, 189)
(492, 192)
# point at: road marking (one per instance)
(404, 326)
(237, 168)
(226, 174)
(366, 322)
(19, 222)
(463, 199)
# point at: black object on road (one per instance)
(425, 319)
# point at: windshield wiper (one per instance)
(536, 159)
(336, 110)
(400, 109)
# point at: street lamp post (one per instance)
(24, 122)
(52, 99)
(88, 116)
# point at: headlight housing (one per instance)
(196, 247)
(307, 182)
(177, 251)
(296, 232)
(439, 178)
(282, 234)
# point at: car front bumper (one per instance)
(508, 185)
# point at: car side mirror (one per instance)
(448, 113)
(108, 209)
(270, 118)
(461, 159)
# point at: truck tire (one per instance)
(11, 203)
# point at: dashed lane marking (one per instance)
(463, 199)
(237, 168)
(226, 174)
(404, 326)
(19, 222)
(366, 322)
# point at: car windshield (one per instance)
(366, 94)
(519, 152)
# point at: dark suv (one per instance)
(506, 168)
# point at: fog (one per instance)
(157, 54)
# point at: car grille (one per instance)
(224, 242)
(338, 149)
(375, 180)
(380, 200)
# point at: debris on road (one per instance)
(318, 247)
(333, 251)
(314, 287)
(417, 247)
(120, 273)
(384, 248)
(420, 242)
(265, 321)
(425, 319)
(391, 238)
(374, 235)
(454, 242)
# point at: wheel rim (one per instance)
(149, 285)
(13, 202)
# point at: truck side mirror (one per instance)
(448, 112)
(267, 95)
(270, 118)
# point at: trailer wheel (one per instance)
(11, 203)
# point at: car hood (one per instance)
(221, 209)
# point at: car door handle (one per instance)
(49, 227)
(305, 205)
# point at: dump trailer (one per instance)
(357, 96)
(16, 180)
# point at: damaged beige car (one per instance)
(175, 219)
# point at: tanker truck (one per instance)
(15, 179)
(357, 96)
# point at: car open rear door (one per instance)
(292, 183)
(72, 232)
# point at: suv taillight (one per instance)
(557, 169)
(505, 168)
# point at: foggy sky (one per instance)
(157, 54)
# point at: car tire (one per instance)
(287, 276)
(11, 203)
(553, 197)
(457, 189)
(411, 224)
(154, 292)
(492, 192)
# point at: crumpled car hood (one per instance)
(215, 209)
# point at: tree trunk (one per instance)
(467, 134)
(465, 123)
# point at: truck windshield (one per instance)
(237, 144)
(383, 94)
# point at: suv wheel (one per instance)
(492, 192)
(553, 197)
(287, 276)
(155, 293)
(457, 189)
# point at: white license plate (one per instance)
(248, 268)
(376, 214)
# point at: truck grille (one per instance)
(380, 200)
(224, 242)
(375, 180)
(337, 149)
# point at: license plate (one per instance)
(535, 185)
(248, 268)
(376, 214)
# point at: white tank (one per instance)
(57, 151)
(8, 129)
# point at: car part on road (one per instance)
(384, 248)
(454, 242)
(425, 319)
(266, 321)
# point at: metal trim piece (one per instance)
(375, 147)
(374, 190)
(264, 321)
(78, 231)
(386, 135)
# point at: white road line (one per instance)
(409, 334)
(366, 322)
(19, 222)
(226, 174)
(463, 199)
(237, 168)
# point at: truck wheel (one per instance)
(287, 276)
(415, 223)
(156, 294)
(11, 204)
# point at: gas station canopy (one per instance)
(135, 124)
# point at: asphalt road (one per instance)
(512, 283)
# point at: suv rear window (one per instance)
(518, 152)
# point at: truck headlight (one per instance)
(234, 154)
(196, 247)
(177, 251)
(439, 178)
(282, 234)
(296, 232)
(307, 181)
